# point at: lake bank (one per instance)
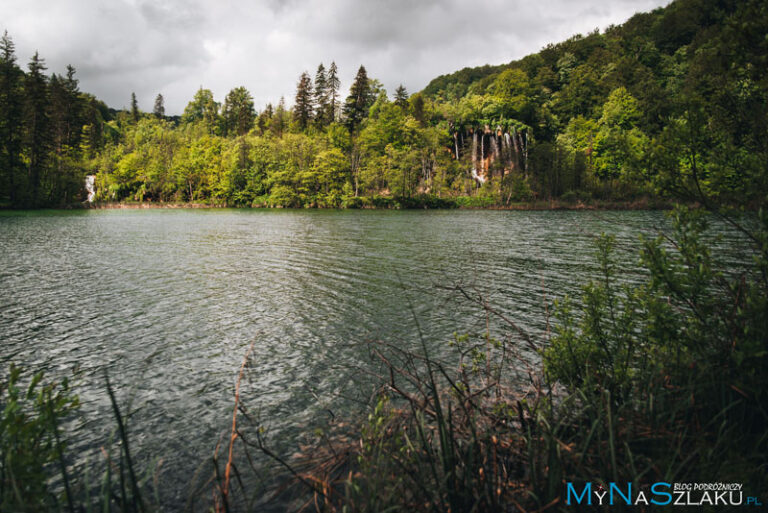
(461, 203)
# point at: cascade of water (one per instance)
(90, 186)
(508, 149)
(475, 174)
(482, 152)
(494, 150)
(456, 144)
(525, 153)
(516, 143)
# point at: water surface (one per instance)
(167, 301)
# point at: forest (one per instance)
(634, 384)
(670, 103)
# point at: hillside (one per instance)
(670, 103)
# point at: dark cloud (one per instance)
(175, 46)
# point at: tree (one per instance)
(332, 85)
(512, 90)
(418, 108)
(619, 144)
(302, 109)
(65, 111)
(10, 120)
(203, 109)
(320, 98)
(134, 108)
(358, 101)
(401, 97)
(279, 119)
(36, 124)
(238, 112)
(265, 118)
(159, 110)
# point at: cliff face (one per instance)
(492, 152)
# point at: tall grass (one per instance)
(659, 382)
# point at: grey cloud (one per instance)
(174, 46)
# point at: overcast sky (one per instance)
(175, 46)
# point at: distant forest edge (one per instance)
(671, 103)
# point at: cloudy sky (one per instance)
(175, 46)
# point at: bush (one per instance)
(30, 443)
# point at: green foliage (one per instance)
(238, 113)
(359, 100)
(31, 413)
(681, 352)
(634, 110)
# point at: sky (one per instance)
(174, 47)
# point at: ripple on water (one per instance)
(168, 301)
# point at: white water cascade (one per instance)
(90, 186)
(475, 175)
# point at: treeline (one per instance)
(48, 128)
(326, 151)
(671, 102)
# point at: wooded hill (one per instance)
(674, 101)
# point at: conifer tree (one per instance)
(66, 120)
(401, 97)
(11, 113)
(238, 112)
(358, 101)
(159, 110)
(332, 85)
(302, 109)
(36, 124)
(134, 108)
(321, 97)
(265, 118)
(278, 120)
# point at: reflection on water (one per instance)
(168, 300)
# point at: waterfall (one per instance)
(482, 151)
(475, 175)
(516, 142)
(90, 186)
(508, 148)
(525, 153)
(456, 144)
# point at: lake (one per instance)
(167, 302)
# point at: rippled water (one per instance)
(168, 301)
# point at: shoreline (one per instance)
(641, 204)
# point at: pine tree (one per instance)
(358, 101)
(159, 110)
(401, 97)
(36, 124)
(238, 112)
(332, 85)
(278, 120)
(265, 118)
(75, 106)
(321, 97)
(134, 108)
(302, 109)
(10, 121)
(66, 121)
